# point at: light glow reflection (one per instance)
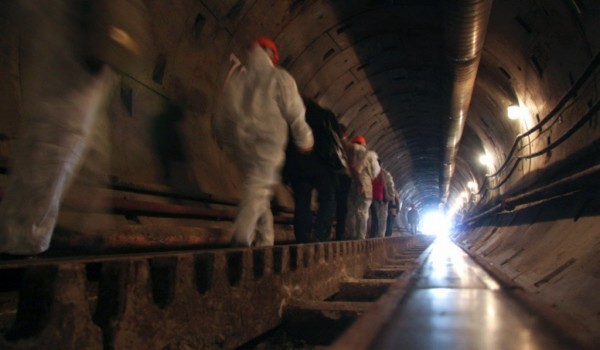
(436, 223)
(486, 160)
(472, 185)
(515, 112)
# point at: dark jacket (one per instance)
(327, 149)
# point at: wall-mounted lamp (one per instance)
(486, 160)
(472, 185)
(516, 112)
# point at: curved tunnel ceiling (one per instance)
(379, 69)
(427, 82)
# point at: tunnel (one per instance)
(483, 111)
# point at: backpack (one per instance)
(328, 146)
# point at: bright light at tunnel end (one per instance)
(436, 223)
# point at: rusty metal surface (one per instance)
(200, 299)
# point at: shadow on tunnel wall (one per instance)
(168, 146)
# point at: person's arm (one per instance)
(374, 163)
(353, 167)
(390, 188)
(293, 110)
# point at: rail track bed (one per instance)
(305, 294)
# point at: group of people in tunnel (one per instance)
(260, 103)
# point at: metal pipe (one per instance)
(131, 207)
(571, 94)
(465, 26)
(582, 181)
(585, 119)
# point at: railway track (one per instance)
(300, 295)
(307, 323)
(175, 285)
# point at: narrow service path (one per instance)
(456, 304)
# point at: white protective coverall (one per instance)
(61, 99)
(367, 168)
(259, 102)
(66, 74)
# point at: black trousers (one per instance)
(342, 186)
(314, 176)
(391, 220)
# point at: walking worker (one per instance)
(315, 171)
(342, 186)
(394, 209)
(413, 220)
(390, 199)
(69, 57)
(259, 103)
(378, 207)
(383, 195)
(364, 168)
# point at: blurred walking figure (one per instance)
(413, 219)
(343, 180)
(394, 208)
(65, 51)
(378, 216)
(316, 171)
(364, 168)
(383, 194)
(260, 102)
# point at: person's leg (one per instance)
(341, 194)
(373, 220)
(254, 202)
(412, 228)
(302, 215)
(362, 216)
(265, 234)
(351, 218)
(382, 211)
(324, 183)
(390, 225)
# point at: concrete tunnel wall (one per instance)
(549, 249)
(554, 258)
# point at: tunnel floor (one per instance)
(456, 304)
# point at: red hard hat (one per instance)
(360, 139)
(267, 43)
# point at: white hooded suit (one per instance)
(260, 102)
(367, 168)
